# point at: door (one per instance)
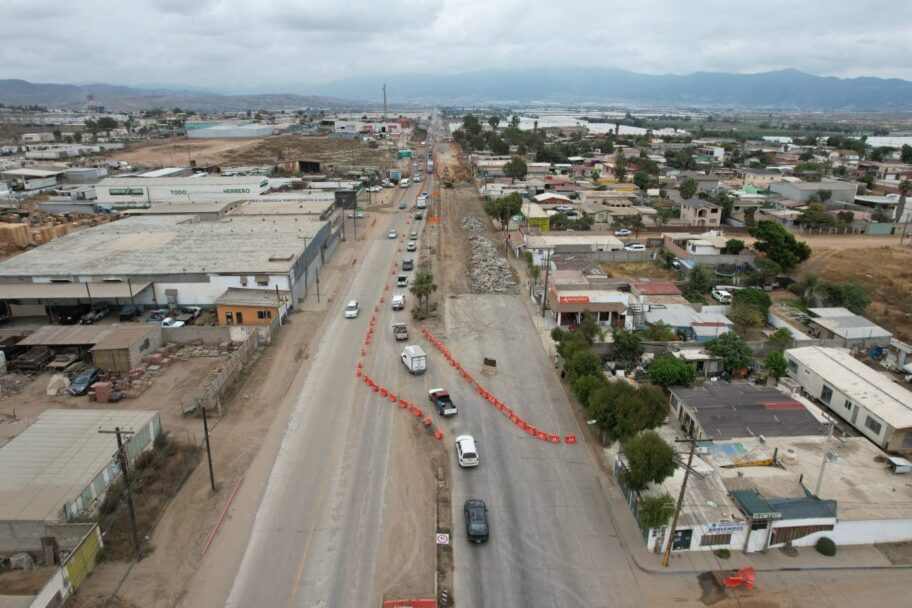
(681, 540)
(240, 317)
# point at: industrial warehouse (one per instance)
(168, 261)
(126, 192)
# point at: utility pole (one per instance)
(318, 284)
(208, 449)
(545, 292)
(122, 460)
(823, 462)
(674, 520)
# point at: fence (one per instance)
(622, 256)
(209, 395)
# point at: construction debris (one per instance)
(12, 384)
(470, 223)
(490, 272)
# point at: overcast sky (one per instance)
(280, 45)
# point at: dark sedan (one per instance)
(476, 518)
(82, 382)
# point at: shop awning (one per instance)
(54, 291)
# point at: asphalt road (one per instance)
(317, 531)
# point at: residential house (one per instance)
(758, 178)
(697, 212)
(853, 331)
(806, 192)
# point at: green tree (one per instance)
(779, 245)
(584, 386)
(811, 290)
(589, 327)
(494, 121)
(849, 295)
(650, 459)
(905, 154)
(106, 124)
(688, 188)
(764, 271)
(734, 246)
(660, 332)
(583, 362)
(733, 350)
(745, 315)
(643, 180)
(620, 166)
(422, 288)
(516, 168)
(781, 338)
(655, 511)
(621, 411)
(497, 145)
(504, 207)
(626, 346)
(699, 282)
(823, 195)
(879, 215)
(755, 297)
(471, 125)
(668, 370)
(815, 217)
(776, 364)
(92, 126)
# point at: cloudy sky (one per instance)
(282, 45)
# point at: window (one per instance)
(240, 318)
(826, 394)
(873, 425)
(848, 405)
(243, 281)
(709, 540)
(262, 280)
(784, 535)
(793, 366)
(229, 318)
(264, 314)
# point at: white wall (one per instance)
(57, 584)
(868, 532)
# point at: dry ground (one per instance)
(638, 270)
(253, 151)
(884, 271)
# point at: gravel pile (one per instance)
(490, 272)
(470, 223)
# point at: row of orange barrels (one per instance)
(386, 393)
(508, 413)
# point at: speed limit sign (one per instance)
(443, 539)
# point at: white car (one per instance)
(171, 322)
(634, 247)
(722, 296)
(416, 179)
(563, 208)
(398, 302)
(352, 309)
(622, 232)
(375, 189)
(392, 234)
(466, 452)
(411, 246)
(356, 215)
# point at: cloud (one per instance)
(244, 45)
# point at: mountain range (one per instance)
(778, 90)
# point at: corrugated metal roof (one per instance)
(52, 461)
(49, 291)
(803, 508)
(753, 505)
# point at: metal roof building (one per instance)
(60, 466)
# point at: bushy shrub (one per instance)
(826, 546)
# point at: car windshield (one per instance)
(477, 521)
(469, 455)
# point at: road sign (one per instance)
(443, 539)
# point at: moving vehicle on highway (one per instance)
(476, 519)
(421, 202)
(398, 302)
(404, 183)
(400, 331)
(441, 400)
(402, 281)
(408, 264)
(416, 179)
(414, 359)
(82, 382)
(402, 205)
(413, 234)
(466, 452)
(352, 309)
(392, 233)
(411, 246)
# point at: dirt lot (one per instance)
(638, 270)
(256, 151)
(164, 395)
(885, 273)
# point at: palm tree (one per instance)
(811, 292)
(422, 288)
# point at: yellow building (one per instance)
(239, 306)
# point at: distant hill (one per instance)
(68, 96)
(780, 90)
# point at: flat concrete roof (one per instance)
(183, 208)
(169, 245)
(864, 386)
(236, 180)
(258, 208)
(252, 297)
(53, 460)
(740, 409)
(553, 240)
(815, 186)
(852, 327)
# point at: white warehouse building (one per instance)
(133, 192)
(872, 403)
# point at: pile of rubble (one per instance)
(470, 223)
(490, 272)
(199, 349)
(12, 384)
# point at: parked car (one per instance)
(171, 322)
(356, 215)
(100, 312)
(70, 315)
(193, 311)
(352, 309)
(411, 246)
(634, 247)
(81, 383)
(156, 316)
(722, 296)
(408, 264)
(466, 452)
(128, 313)
(622, 232)
(563, 208)
(476, 520)
(374, 189)
(392, 234)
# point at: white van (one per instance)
(466, 453)
(352, 309)
(421, 202)
(404, 183)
